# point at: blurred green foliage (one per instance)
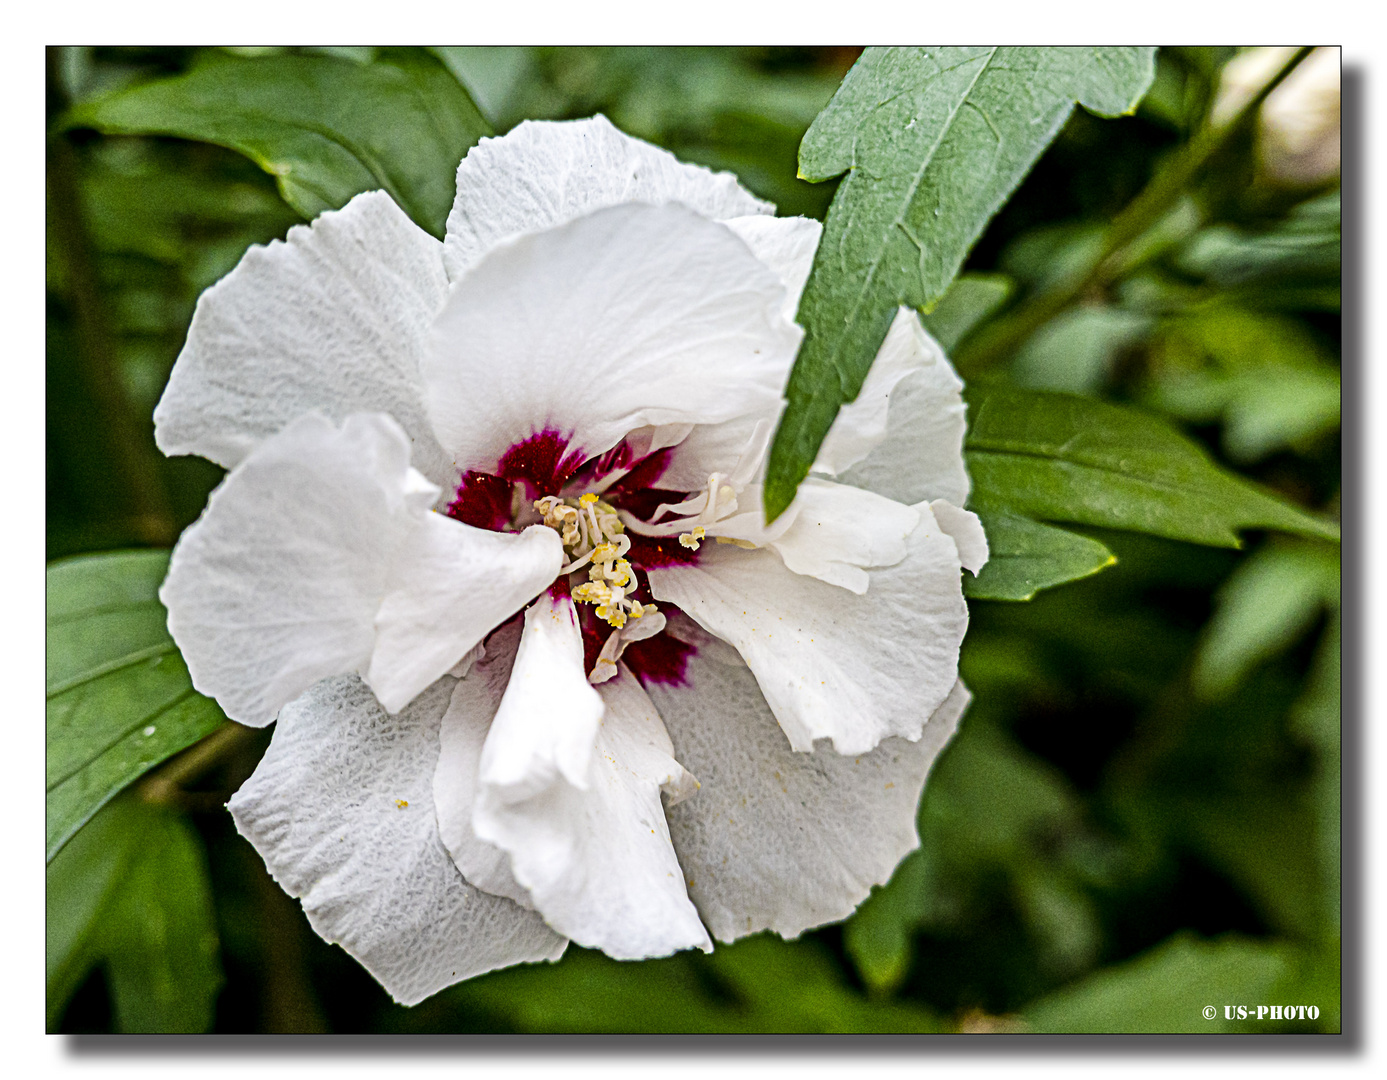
(1140, 814)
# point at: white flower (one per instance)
(1298, 129)
(468, 554)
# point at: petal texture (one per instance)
(833, 664)
(967, 531)
(786, 245)
(920, 456)
(333, 319)
(545, 173)
(341, 810)
(597, 862)
(629, 317)
(321, 534)
(546, 724)
(449, 585)
(777, 839)
(833, 532)
(462, 732)
(862, 424)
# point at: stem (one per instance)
(131, 455)
(1155, 200)
(165, 785)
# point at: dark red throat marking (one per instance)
(483, 501)
(543, 463)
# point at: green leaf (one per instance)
(760, 984)
(1268, 603)
(878, 936)
(796, 986)
(131, 893)
(119, 697)
(971, 300)
(1026, 556)
(933, 141)
(1054, 457)
(1261, 840)
(1166, 989)
(987, 812)
(1316, 717)
(326, 128)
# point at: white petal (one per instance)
(921, 455)
(777, 839)
(546, 725)
(832, 664)
(861, 425)
(341, 810)
(711, 448)
(598, 864)
(461, 736)
(333, 319)
(310, 553)
(544, 173)
(629, 317)
(833, 532)
(786, 245)
(909, 360)
(462, 667)
(277, 584)
(966, 529)
(449, 585)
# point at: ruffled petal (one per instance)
(967, 531)
(628, 317)
(833, 664)
(908, 361)
(598, 863)
(546, 723)
(341, 810)
(544, 173)
(861, 425)
(317, 556)
(786, 245)
(449, 585)
(455, 782)
(333, 319)
(776, 839)
(832, 532)
(920, 455)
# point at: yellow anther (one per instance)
(690, 539)
(594, 536)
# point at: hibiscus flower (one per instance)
(490, 549)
